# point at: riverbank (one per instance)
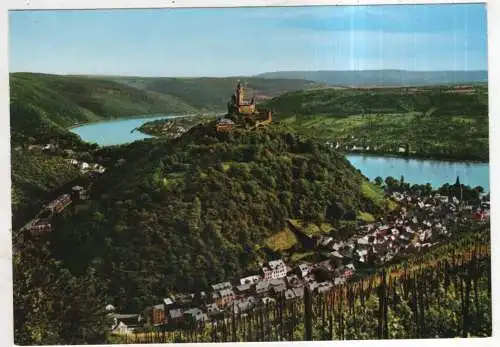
(123, 119)
(417, 156)
(173, 128)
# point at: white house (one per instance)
(275, 269)
(304, 270)
(84, 165)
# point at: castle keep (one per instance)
(238, 105)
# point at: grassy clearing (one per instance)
(373, 193)
(301, 256)
(282, 240)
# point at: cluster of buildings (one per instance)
(350, 145)
(275, 280)
(422, 222)
(87, 167)
(41, 223)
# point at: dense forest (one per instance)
(183, 215)
(426, 122)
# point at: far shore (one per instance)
(417, 157)
(134, 117)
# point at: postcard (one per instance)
(250, 173)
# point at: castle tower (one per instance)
(240, 94)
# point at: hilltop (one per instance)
(202, 208)
(358, 78)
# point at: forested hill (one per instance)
(469, 100)
(384, 77)
(42, 105)
(175, 216)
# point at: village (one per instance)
(421, 223)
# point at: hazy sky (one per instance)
(245, 41)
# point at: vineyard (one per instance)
(444, 293)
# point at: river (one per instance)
(419, 171)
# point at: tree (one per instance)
(379, 181)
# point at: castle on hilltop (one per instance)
(238, 105)
(241, 112)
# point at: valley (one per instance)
(194, 206)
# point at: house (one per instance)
(249, 279)
(363, 240)
(224, 124)
(184, 299)
(84, 166)
(304, 270)
(73, 162)
(175, 315)
(79, 193)
(310, 277)
(39, 226)
(59, 204)
(278, 289)
(362, 255)
(155, 315)
(262, 287)
(298, 292)
(220, 286)
(168, 301)
(243, 288)
(212, 308)
(275, 269)
(339, 281)
(121, 329)
(125, 323)
(195, 314)
(226, 297)
(293, 281)
(325, 241)
(245, 305)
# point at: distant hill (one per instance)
(356, 101)
(383, 77)
(212, 93)
(43, 105)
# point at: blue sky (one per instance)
(246, 41)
